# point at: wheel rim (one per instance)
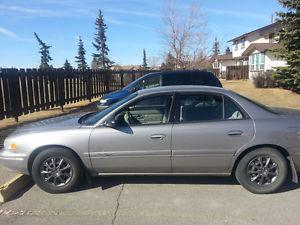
(262, 170)
(56, 171)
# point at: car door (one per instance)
(139, 143)
(210, 128)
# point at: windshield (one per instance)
(133, 85)
(92, 119)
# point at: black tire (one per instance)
(70, 166)
(273, 175)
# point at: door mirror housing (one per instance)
(110, 122)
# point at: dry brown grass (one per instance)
(274, 97)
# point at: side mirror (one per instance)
(110, 122)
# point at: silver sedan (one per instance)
(175, 130)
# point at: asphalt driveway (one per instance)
(154, 200)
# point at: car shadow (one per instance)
(107, 182)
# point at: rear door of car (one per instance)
(209, 129)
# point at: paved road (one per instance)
(155, 200)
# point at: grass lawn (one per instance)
(274, 97)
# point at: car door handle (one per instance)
(235, 132)
(158, 136)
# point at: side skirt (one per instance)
(164, 174)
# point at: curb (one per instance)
(13, 186)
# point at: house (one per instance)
(220, 63)
(253, 49)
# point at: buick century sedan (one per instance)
(173, 130)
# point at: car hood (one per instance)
(116, 95)
(57, 123)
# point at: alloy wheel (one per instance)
(56, 171)
(262, 170)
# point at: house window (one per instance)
(271, 38)
(257, 62)
(243, 42)
(216, 65)
(236, 43)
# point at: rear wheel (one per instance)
(262, 171)
(56, 170)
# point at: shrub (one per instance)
(264, 80)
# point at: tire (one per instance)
(259, 175)
(61, 178)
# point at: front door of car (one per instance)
(140, 142)
(210, 129)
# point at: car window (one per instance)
(92, 119)
(151, 110)
(200, 107)
(177, 79)
(232, 111)
(150, 82)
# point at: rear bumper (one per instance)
(14, 161)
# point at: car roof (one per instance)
(174, 72)
(183, 88)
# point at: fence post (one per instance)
(15, 95)
(89, 84)
(107, 78)
(61, 87)
(122, 78)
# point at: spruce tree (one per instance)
(227, 51)
(289, 45)
(170, 62)
(144, 65)
(102, 50)
(216, 47)
(80, 58)
(45, 54)
(67, 65)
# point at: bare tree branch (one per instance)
(183, 34)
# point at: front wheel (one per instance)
(56, 170)
(262, 171)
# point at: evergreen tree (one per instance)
(144, 65)
(216, 47)
(170, 62)
(227, 51)
(100, 43)
(67, 65)
(94, 64)
(289, 42)
(80, 58)
(44, 51)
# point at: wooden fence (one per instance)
(237, 72)
(26, 91)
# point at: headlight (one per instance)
(103, 101)
(10, 145)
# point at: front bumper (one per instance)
(14, 161)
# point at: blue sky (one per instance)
(132, 26)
